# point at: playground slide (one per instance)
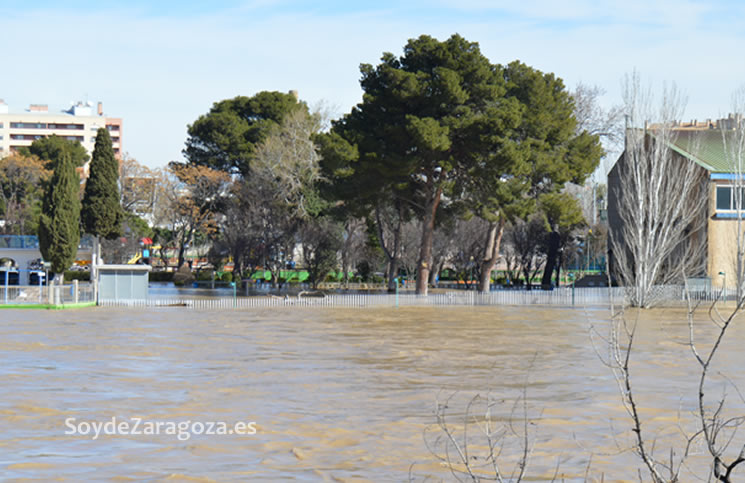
(134, 259)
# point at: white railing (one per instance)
(72, 293)
(563, 297)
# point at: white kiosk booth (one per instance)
(122, 282)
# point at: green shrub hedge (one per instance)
(80, 275)
(161, 276)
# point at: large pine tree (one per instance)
(59, 225)
(101, 211)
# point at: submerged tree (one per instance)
(423, 118)
(564, 217)
(441, 124)
(321, 240)
(658, 214)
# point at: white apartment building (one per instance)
(79, 123)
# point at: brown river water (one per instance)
(338, 394)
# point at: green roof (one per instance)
(707, 148)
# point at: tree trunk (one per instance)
(164, 257)
(345, 268)
(181, 250)
(425, 251)
(491, 253)
(526, 274)
(392, 255)
(237, 269)
(553, 253)
(436, 266)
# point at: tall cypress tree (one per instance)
(102, 211)
(59, 225)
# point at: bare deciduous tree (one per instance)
(472, 445)
(526, 239)
(659, 212)
(288, 159)
(138, 190)
(469, 248)
(352, 246)
(711, 426)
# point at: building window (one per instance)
(727, 199)
(28, 125)
(75, 127)
(26, 137)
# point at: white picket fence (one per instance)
(596, 296)
(72, 293)
(564, 296)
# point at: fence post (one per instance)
(396, 280)
(7, 269)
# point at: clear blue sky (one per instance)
(159, 65)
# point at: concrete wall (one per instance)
(722, 242)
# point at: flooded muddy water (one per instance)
(335, 395)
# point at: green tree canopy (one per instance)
(59, 225)
(423, 120)
(50, 149)
(21, 191)
(101, 212)
(563, 216)
(441, 124)
(227, 136)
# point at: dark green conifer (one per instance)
(59, 225)
(101, 210)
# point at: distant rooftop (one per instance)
(707, 147)
(79, 108)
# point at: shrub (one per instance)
(161, 276)
(83, 276)
(364, 270)
(227, 277)
(205, 276)
(183, 276)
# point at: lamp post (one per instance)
(724, 284)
